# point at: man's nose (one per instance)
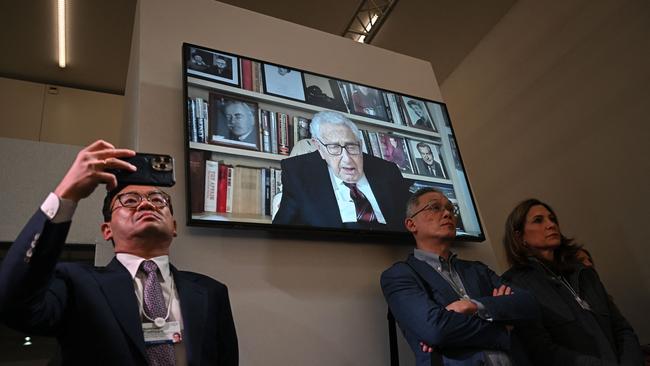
(145, 204)
(345, 156)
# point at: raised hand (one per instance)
(88, 170)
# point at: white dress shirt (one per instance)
(346, 205)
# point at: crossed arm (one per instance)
(449, 324)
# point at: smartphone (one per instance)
(153, 170)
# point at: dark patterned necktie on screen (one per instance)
(154, 307)
(361, 203)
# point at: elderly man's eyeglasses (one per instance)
(437, 207)
(133, 199)
(336, 149)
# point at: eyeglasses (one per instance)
(437, 207)
(133, 199)
(336, 149)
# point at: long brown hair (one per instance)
(517, 253)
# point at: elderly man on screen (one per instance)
(452, 311)
(338, 186)
(137, 310)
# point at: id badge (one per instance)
(168, 333)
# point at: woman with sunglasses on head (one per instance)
(580, 325)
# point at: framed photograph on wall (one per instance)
(393, 148)
(234, 122)
(367, 102)
(283, 82)
(427, 160)
(324, 92)
(417, 114)
(215, 66)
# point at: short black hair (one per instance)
(106, 207)
(415, 198)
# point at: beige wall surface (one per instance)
(554, 104)
(21, 105)
(57, 114)
(32, 169)
(295, 301)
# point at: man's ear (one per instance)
(107, 231)
(174, 232)
(410, 225)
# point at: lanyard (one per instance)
(583, 303)
(457, 289)
(160, 322)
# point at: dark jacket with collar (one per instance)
(559, 338)
(461, 339)
(309, 199)
(93, 311)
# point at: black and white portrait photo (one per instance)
(212, 65)
(324, 92)
(284, 82)
(417, 114)
(235, 122)
(427, 159)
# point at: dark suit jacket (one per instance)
(461, 339)
(308, 197)
(424, 170)
(93, 311)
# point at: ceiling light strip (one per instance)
(61, 29)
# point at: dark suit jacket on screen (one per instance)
(93, 311)
(423, 168)
(308, 197)
(461, 339)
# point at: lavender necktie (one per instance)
(154, 307)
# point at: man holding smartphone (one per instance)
(128, 312)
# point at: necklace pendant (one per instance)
(159, 322)
(583, 304)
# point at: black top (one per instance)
(568, 333)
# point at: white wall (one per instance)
(295, 301)
(554, 104)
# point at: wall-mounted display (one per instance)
(278, 148)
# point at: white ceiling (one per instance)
(99, 34)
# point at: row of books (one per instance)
(279, 132)
(232, 189)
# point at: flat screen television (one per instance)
(252, 160)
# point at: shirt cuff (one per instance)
(58, 209)
(482, 311)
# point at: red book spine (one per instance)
(247, 74)
(222, 188)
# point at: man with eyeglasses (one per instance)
(338, 186)
(127, 312)
(452, 311)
